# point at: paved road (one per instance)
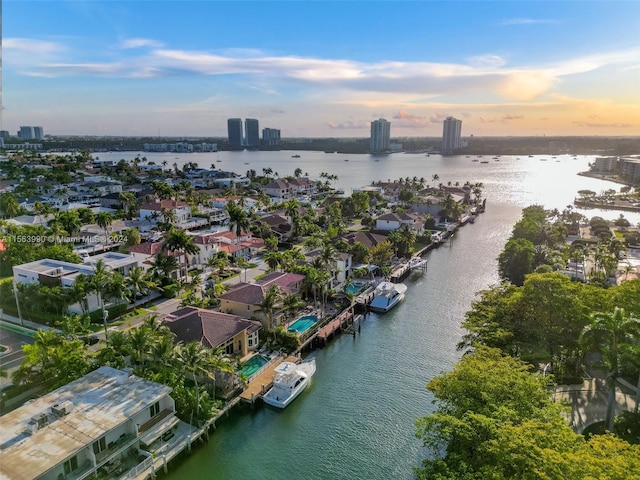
(12, 358)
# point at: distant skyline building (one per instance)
(234, 129)
(252, 132)
(26, 133)
(380, 136)
(451, 134)
(270, 136)
(38, 133)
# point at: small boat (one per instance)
(295, 156)
(417, 262)
(346, 159)
(474, 160)
(290, 380)
(484, 161)
(386, 296)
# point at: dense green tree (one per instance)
(613, 332)
(496, 420)
(516, 260)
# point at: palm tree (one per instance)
(238, 219)
(140, 341)
(196, 361)
(292, 303)
(270, 300)
(180, 241)
(138, 282)
(104, 220)
(129, 202)
(163, 265)
(99, 283)
(117, 288)
(613, 332)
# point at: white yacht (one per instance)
(290, 380)
(387, 295)
(417, 262)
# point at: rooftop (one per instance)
(95, 404)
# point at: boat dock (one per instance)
(261, 383)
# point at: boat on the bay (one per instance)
(386, 296)
(290, 380)
(295, 156)
(417, 262)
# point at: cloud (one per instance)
(527, 21)
(503, 119)
(31, 46)
(492, 61)
(349, 125)
(603, 125)
(141, 42)
(348, 79)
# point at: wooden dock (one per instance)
(259, 385)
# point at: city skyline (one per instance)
(321, 69)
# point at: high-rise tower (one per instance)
(451, 131)
(380, 136)
(234, 127)
(252, 132)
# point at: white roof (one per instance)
(98, 403)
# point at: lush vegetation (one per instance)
(55, 359)
(495, 419)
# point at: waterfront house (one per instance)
(244, 299)
(368, 239)
(278, 189)
(152, 211)
(340, 267)
(233, 334)
(393, 221)
(279, 225)
(99, 425)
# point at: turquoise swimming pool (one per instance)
(254, 364)
(356, 288)
(303, 324)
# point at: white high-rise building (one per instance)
(451, 134)
(380, 136)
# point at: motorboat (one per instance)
(290, 380)
(386, 296)
(417, 262)
(295, 156)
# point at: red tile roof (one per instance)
(160, 204)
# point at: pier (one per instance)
(261, 384)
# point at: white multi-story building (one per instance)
(101, 425)
(153, 211)
(451, 134)
(52, 273)
(380, 136)
(605, 164)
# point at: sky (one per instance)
(321, 68)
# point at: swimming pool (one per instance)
(252, 365)
(355, 288)
(303, 324)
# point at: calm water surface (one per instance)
(356, 420)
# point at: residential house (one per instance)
(233, 334)
(244, 299)
(145, 254)
(151, 211)
(368, 239)
(340, 267)
(279, 225)
(98, 426)
(278, 189)
(51, 273)
(393, 221)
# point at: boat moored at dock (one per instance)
(386, 296)
(290, 380)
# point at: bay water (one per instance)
(357, 418)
